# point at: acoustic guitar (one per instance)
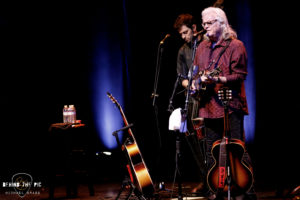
(229, 172)
(138, 169)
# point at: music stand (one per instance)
(179, 126)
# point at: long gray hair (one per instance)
(228, 32)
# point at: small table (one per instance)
(69, 155)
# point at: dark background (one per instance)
(46, 60)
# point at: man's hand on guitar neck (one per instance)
(216, 79)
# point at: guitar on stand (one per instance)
(229, 173)
(137, 169)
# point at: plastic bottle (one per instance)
(65, 114)
(72, 114)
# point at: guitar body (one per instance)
(140, 172)
(241, 173)
(138, 169)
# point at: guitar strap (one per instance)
(221, 53)
(222, 163)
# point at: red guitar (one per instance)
(138, 169)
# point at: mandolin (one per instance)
(138, 169)
(229, 172)
(200, 86)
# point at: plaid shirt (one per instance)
(233, 64)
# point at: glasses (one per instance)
(209, 23)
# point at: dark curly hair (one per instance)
(184, 19)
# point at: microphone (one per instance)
(203, 31)
(163, 41)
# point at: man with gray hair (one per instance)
(221, 49)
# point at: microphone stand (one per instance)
(184, 114)
(178, 141)
(157, 71)
(185, 111)
(170, 107)
(158, 64)
(154, 95)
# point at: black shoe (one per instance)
(250, 197)
(210, 195)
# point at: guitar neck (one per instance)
(122, 114)
(225, 95)
(126, 122)
(226, 122)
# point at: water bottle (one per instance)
(65, 114)
(72, 114)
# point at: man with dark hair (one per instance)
(186, 26)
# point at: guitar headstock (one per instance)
(113, 99)
(225, 95)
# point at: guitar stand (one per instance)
(225, 95)
(228, 182)
(133, 191)
(126, 182)
(228, 178)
